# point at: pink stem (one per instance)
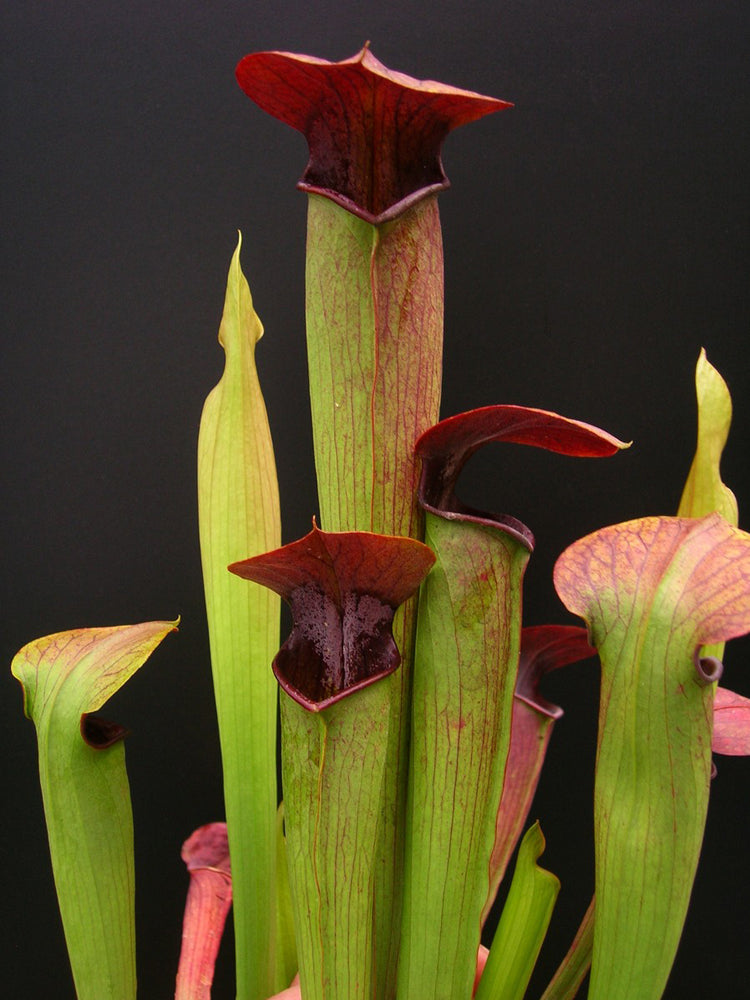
(206, 855)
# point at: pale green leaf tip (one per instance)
(236, 264)
(239, 312)
(534, 844)
(713, 392)
(704, 491)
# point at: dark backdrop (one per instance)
(596, 238)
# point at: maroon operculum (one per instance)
(545, 648)
(374, 135)
(343, 589)
(446, 448)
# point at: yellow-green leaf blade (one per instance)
(239, 517)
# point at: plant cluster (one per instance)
(413, 730)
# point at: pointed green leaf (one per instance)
(238, 505)
(652, 591)
(704, 491)
(343, 590)
(65, 677)
(206, 855)
(523, 924)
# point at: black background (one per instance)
(596, 237)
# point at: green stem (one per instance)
(374, 334)
(464, 679)
(333, 770)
